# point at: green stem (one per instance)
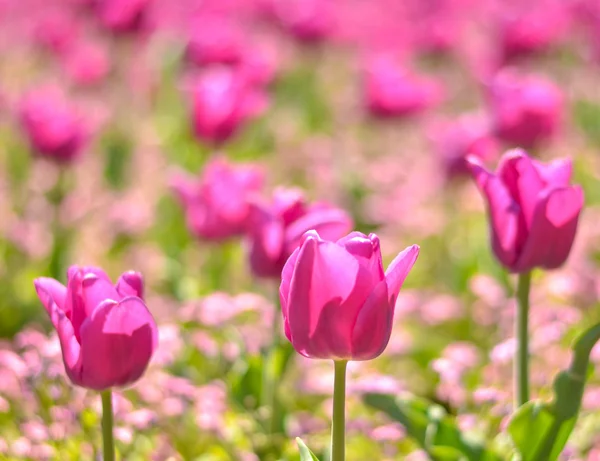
(522, 335)
(271, 374)
(107, 426)
(338, 428)
(61, 243)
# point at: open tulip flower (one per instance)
(336, 300)
(532, 208)
(106, 332)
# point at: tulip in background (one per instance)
(217, 204)
(215, 40)
(527, 109)
(223, 100)
(393, 91)
(107, 334)
(52, 125)
(338, 304)
(122, 16)
(276, 229)
(533, 213)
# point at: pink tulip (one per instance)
(533, 211)
(469, 134)
(336, 300)
(122, 16)
(307, 20)
(222, 101)
(215, 40)
(276, 229)
(217, 204)
(87, 63)
(53, 127)
(391, 91)
(107, 335)
(527, 110)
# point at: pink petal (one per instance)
(553, 229)
(327, 290)
(96, 290)
(330, 223)
(520, 176)
(118, 341)
(284, 288)
(503, 212)
(557, 173)
(131, 284)
(367, 251)
(51, 291)
(373, 327)
(184, 186)
(398, 270)
(266, 246)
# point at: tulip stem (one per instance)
(338, 428)
(107, 426)
(522, 335)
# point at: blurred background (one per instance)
(369, 106)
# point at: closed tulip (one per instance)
(223, 100)
(52, 125)
(122, 16)
(533, 210)
(336, 300)
(107, 335)
(217, 204)
(276, 229)
(527, 109)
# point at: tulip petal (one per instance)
(398, 270)
(367, 251)
(524, 183)
(503, 212)
(373, 327)
(51, 291)
(266, 246)
(284, 289)
(130, 283)
(327, 290)
(330, 224)
(184, 186)
(118, 341)
(557, 173)
(553, 229)
(96, 290)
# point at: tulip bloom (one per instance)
(122, 16)
(107, 335)
(336, 300)
(391, 91)
(222, 101)
(276, 229)
(217, 204)
(53, 127)
(215, 40)
(527, 110)
(533, 211)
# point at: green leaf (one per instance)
(305, 453)
(431, 427)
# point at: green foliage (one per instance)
(305, 453)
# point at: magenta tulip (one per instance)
(52, 125)
(106, 332)
(336, 300)
(215, 40)
(308, 21)
(276, 229)
(122, 16)
(222, 101)
(527, 109)
(392, 91)
(217, 204)
(533, 210)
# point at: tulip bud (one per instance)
(337, 302)
(532, 209)
(52, 125)
(106, 333)
(217, 204)
(276, 229)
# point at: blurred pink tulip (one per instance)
(276, 230)
(121, 15)
(217, 204)
(215, 40)
(336, 300)
(392, 91)
(533, 211)
(469, 134)
(87, 63)
(52, 125)
(107, 335)
(222, 101)
(527, 109)
(307, 20)
(56, 30)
